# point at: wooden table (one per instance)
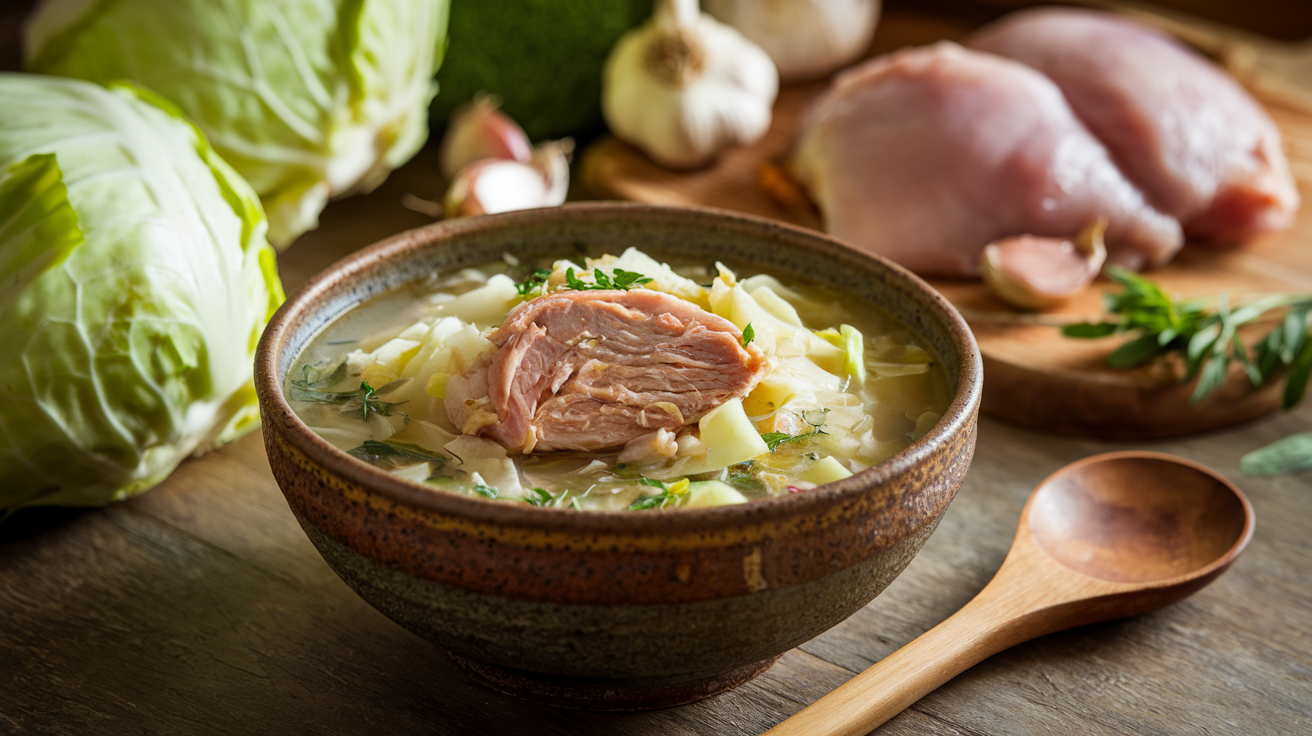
(201, 608)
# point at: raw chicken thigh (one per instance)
(1179, 127)
(928, 154)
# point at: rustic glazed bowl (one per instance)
(616, 610)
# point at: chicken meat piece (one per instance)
(593, 370)
(1183, 130)
(927, 155)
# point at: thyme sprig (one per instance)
(312, 387)
(1207, 338)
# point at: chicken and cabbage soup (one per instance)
(617, 383)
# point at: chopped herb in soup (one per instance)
(617, 383)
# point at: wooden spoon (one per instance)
(1109, 536)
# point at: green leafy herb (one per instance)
(484, 491)
(1206, 339)
(533, 283)
(671, 494)
(313, 378)
(312, 385)
(749, 334)
(1288, 455)
(774, 439)
(619, 279)
(544, 498)
(396, 454)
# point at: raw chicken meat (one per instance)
(1179, 127)
(928, 154)
(593, 370)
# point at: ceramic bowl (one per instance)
(617, 610)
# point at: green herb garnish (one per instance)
(386, 453)
(534, 282)
(311, 388)
(749, 334)
(313, 378)
(671, 494)
(484, 491)
(621, 279)
(1207, 339)
(774, 439)
(544, 498)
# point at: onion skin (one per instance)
(479, 131)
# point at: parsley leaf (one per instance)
(619, 279)
(749, 334)
(533, 283)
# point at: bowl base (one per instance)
(612, 695)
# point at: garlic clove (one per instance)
(478, 130)
(683, 87)
(1037, 273)
(490, 186)
(807, 39)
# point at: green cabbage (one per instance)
(307, 99)
(135, 279)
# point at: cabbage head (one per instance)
(135, 280)
(306, 99)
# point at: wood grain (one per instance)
(1033, 375)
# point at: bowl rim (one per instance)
(960, 412)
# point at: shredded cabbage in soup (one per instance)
(846, 386)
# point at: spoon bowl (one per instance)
(1112, 535)
(1138, 517)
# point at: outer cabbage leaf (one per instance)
(307, 99)
(129, 341)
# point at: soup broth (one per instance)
(817, 387)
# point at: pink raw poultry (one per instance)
(928, 154)
(1179, 127)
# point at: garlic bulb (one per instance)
(478, 130)
(1030, 272)
(492, 185)
(684, 87)
(806, 38)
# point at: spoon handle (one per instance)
(990, 623)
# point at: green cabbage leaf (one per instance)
(135, 280)
(306, 99)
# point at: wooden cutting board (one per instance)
(1032, 374)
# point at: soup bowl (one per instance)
(617, 609)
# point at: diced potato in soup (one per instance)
(618, 383)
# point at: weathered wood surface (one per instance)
(201, 608)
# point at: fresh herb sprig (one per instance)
(619, 279)
(670, 495)
(533, 283)
(774, 439)
(312, 388)
(543, 498)
(1206, 338)
(386, 453)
